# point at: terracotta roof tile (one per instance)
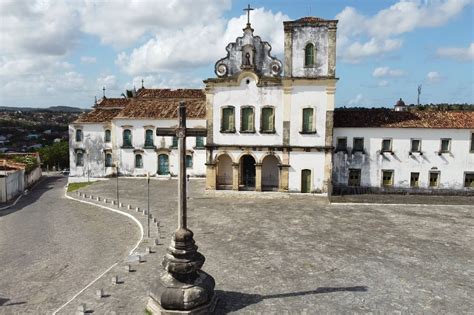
(168, 93)
(164, 108)
(98, 115)
(385, 118)
(113, 102)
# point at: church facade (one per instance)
(271, 126)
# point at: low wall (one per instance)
(32, 177)
(12, 183)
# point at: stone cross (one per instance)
(248, 9)
(183, 287)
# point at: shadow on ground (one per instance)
(230, 301)
(47, 183)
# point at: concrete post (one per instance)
(258, 177)
(235, 176)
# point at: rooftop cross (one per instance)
(103, 90)
(248, 9)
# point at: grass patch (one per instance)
(76, 186)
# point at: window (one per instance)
(387, 178)
(108, 160)
(387, 145)
(445, 145)
(174, 142)
(358, 145)
(267, 124)
(469, 180)
(434, 179)
(79, 158)
(414, 180)
(228, 119)
(247, 120)
(108, 136)
(308, 114)
(341, 144)
(189, 161)
(199, 142)
(127, 138)
(149, 139)
(138, 161)
(309, 55)
(354, 177)
(472, 142)
(415, 145)
(78, 135)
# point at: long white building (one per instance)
(271, 126)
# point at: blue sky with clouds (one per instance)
(64, 52)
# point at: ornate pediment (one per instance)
(248, 52)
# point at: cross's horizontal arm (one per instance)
(190, 132)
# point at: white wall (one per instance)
(313, 161)
(244, 95)
(308, 97)
(11, 185)
(451, 166)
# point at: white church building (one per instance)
(271, 126)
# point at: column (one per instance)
(211, 176)
(235, 176)
(258, 177)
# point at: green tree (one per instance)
(56, 154)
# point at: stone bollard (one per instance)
(81, 309)
(114, 202)
(115, 280)
(105, 200)
(157, 241)
(129, 268)
(155, 220)
(129, 207)
(137, 209)
(99, 293)
(120, 205)
(98, 198)
(145, 212)
(91, 197)
(148, 250)
(141, 259)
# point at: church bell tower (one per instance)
(310, 48)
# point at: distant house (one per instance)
(32, 136)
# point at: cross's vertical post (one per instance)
(181, 135)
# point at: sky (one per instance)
(59, 52)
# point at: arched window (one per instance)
(127, 138)
(149, 138)
(108, 160)
(78, 135)
(309, 55)
(247, 121)
(138, 161)
(267, 120)
(107, 137)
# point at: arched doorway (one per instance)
(306, 181)
(270, 173)
(163, 164)
(224, 172)
(247, 173)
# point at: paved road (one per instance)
(51, 247)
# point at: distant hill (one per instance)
(60, 109)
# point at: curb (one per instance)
(115, 264)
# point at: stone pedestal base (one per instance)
(154, 308)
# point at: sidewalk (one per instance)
(403, 199)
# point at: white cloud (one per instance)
(387, 72)
(124, 22)
(433, 77)
(199, 44)
(88, 60)
(168, 80)
(383, 83)
(107, 81)
(49, 27)
(357, 100)
(361, 36)
(459, 54)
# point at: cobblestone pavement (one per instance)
(51, 247)
(274, 254)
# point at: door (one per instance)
(305, 181)
(163, 164)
